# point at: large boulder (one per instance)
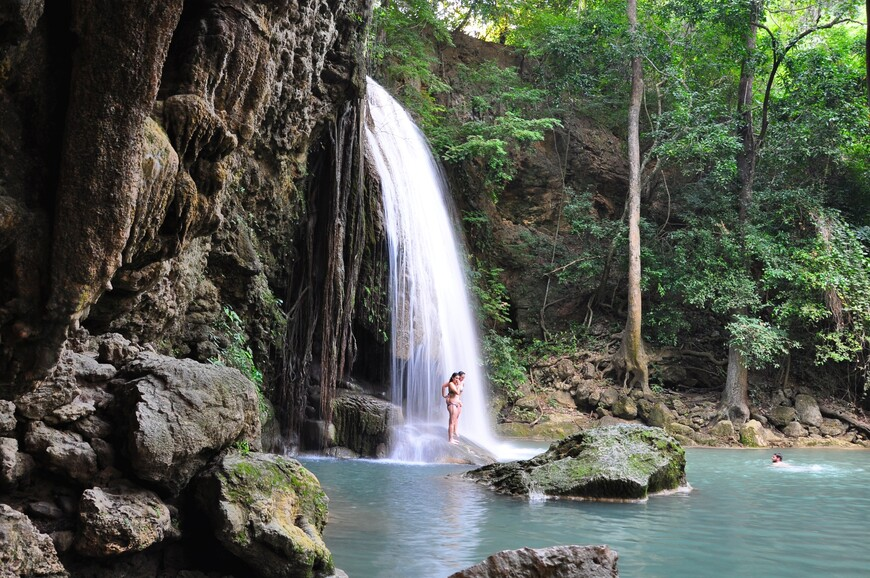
(362, 422)
(180, 413)
(7, 418)
(553, 562)
(616, 462)
(268, 511)
(24, 550)
(807, 409)
(659, 415)
(62, 452)
(120, 520)
(782, 415)
(56, 390)
(795, 430)
(752, 434)
(723, 430)
(624, 407)
(832, 427)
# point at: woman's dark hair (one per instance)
(452, 375)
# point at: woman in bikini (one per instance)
(452, 392)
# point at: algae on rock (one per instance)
(620, 462)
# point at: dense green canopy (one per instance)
(781, 272)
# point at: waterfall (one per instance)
(434, 331)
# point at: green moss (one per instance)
(249, 478)
(242, 539)
(609, 462)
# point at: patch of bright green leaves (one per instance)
(504, 365)
(234, 351)
(499, 111)
(491, 293)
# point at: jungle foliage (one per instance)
(795, 266)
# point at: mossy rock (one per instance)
(620, 462)
(659, 415)
(752, 434)
(268, 511)
(362, 422)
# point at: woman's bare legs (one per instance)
(451, 422)
(456, 411)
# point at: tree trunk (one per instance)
(735, 396)
(632, 351)
(748, 154)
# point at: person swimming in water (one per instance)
(776, 460)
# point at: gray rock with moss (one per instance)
(620, 462)
(120, 520)
(362, 422)
(552, 562)
(269, 512)
(180, 413)
(24, 550)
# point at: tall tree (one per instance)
(632, 351)
(735, 395)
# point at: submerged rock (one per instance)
(554, 562)
(621, 462)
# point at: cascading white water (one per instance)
(433, 328)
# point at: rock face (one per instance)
(109, 478)
(15, 466)
(620, 462)
(180, 413)
(120, 520)
(362, 423)
(147, 197)
(555, 562)
(24, 551)
(165, 166)
(269, 512)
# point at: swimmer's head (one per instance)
(776, 458)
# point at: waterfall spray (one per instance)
(434, 332)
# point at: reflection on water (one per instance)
(743, 518)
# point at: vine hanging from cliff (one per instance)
(323, 297)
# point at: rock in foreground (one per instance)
(555, 562)
(269, 512)
(620, 462)
(24, 550)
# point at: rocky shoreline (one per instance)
(571, 396)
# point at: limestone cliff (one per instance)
(167, 166)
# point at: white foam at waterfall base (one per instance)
(434, 331)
